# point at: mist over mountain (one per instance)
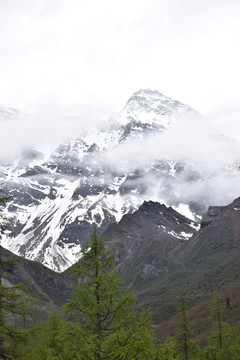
(81, 174)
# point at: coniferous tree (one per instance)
(220, 346)
(50, 340)
(110, 328)
(185, 345)
(216, 315)
(232, 340)
(166, 350)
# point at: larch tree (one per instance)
(186, 347)
(221, 342)
(110, 326)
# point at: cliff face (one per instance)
(144, 240)
(158, 251)
(220, 227)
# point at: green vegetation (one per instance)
(103, 323)
(58, 338)
(100, 322)
(110, 328)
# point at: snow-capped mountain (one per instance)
(94, 178)
(152, 107)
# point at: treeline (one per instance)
(100, 322)
(223, 343)
(58, 338)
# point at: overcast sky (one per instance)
(86, 52)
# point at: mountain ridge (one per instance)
(158, 267)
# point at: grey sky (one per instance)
(89, 52)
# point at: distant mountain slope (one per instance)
(99, 176)
(218, 238)
(199, 315)
(144, 240)
(48, 289)
(156, 259)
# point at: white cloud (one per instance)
(195, 140)
(75, 50)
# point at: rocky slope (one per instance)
(219, 234)
(143, 241)
(155, 257)
(47, 290)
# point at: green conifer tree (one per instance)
(216, 315)
(110, 328)
(221, 340)
(186, 346)
(45, 341)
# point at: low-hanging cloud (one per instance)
(49, 125)
(210, 158)
(188, 139)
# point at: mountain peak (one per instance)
(151, 106)
(147, 92)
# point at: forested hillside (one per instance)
(102, 319)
